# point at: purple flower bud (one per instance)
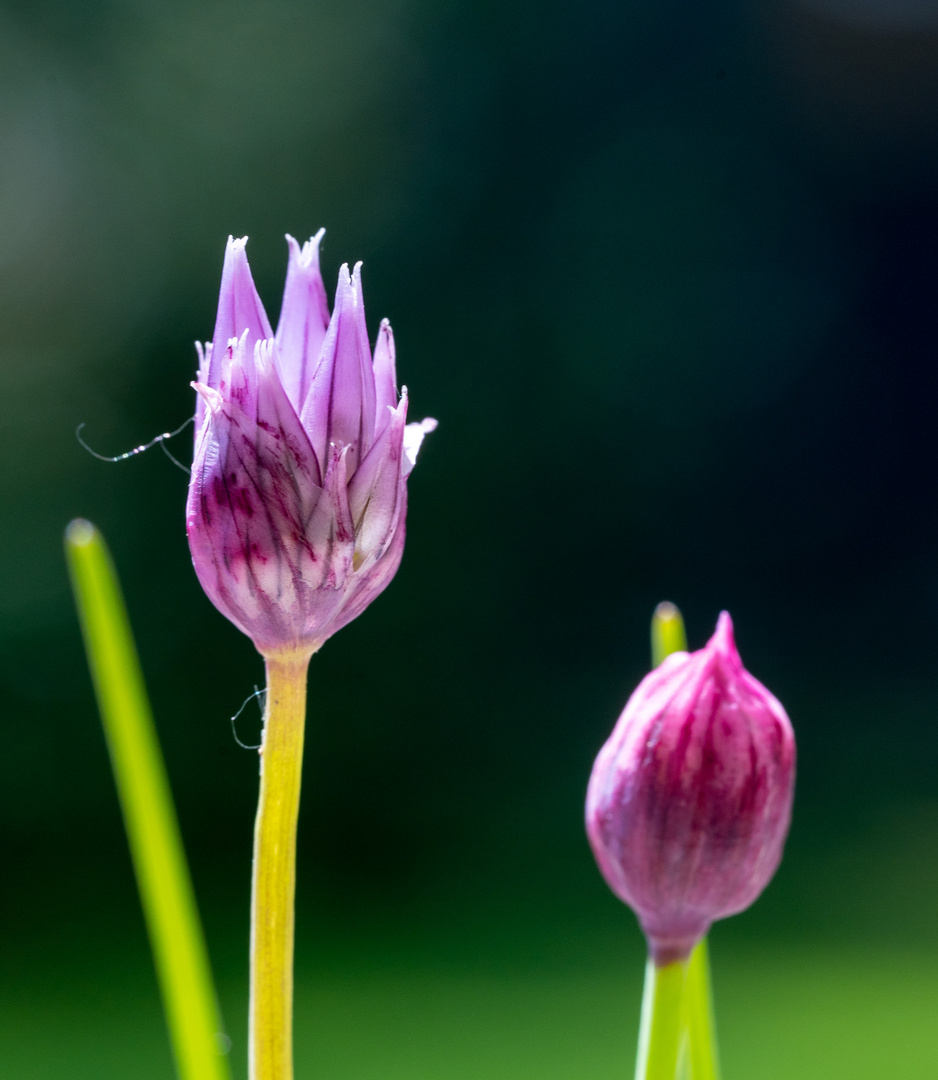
(298, 492)
(690, 799)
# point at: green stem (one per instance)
(270, 1023)
(667, 632)
(698, 1014)
(662, 1031)
(146, 802)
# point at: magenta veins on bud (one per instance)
(689, 801)
(298, 491)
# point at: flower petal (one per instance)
(340, 405)
(304, 319)
(330, 528)
(369, 584)
(254, 490)
(239, 309)
(375, 490)
(385, 374)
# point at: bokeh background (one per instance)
(667, 274)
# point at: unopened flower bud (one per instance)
(690, 799)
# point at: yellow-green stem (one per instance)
(273, 885)
(662, 1030)
(698, 1013)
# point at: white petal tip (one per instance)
(265, 354)
(413, 439)
(212, 398)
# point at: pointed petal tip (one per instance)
(385, 341)
(723, 641)
(348, 292)
(204, 351)
(344, 284)
(265, 356)
(236, 257)
(211, 397)
(307, 256)
(357, 281)
(236, 275)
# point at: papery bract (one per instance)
(689, 801)
(298, 494)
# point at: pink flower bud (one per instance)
(298, 491)
(690, 799)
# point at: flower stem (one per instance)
(662, 1025)
(667, 632)
(698, 1016)
(146, 801)
(273, 886)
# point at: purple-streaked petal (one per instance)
(374, 492)
(371, 583)
(330, 527)
(340, 405)
(237, 381)
(254, 490)
(239, 309)
(239, 374)
(304, 319)
(277, 416)
(385, 372)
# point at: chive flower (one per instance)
(298, 492)
(689, 801)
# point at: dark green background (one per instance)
(667, 273)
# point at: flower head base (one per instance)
(689, 801)
(298, 492)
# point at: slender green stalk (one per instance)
(662, 1030)
(698, 1017)
(700, 1060)
(270, 1022)
(146, 802)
